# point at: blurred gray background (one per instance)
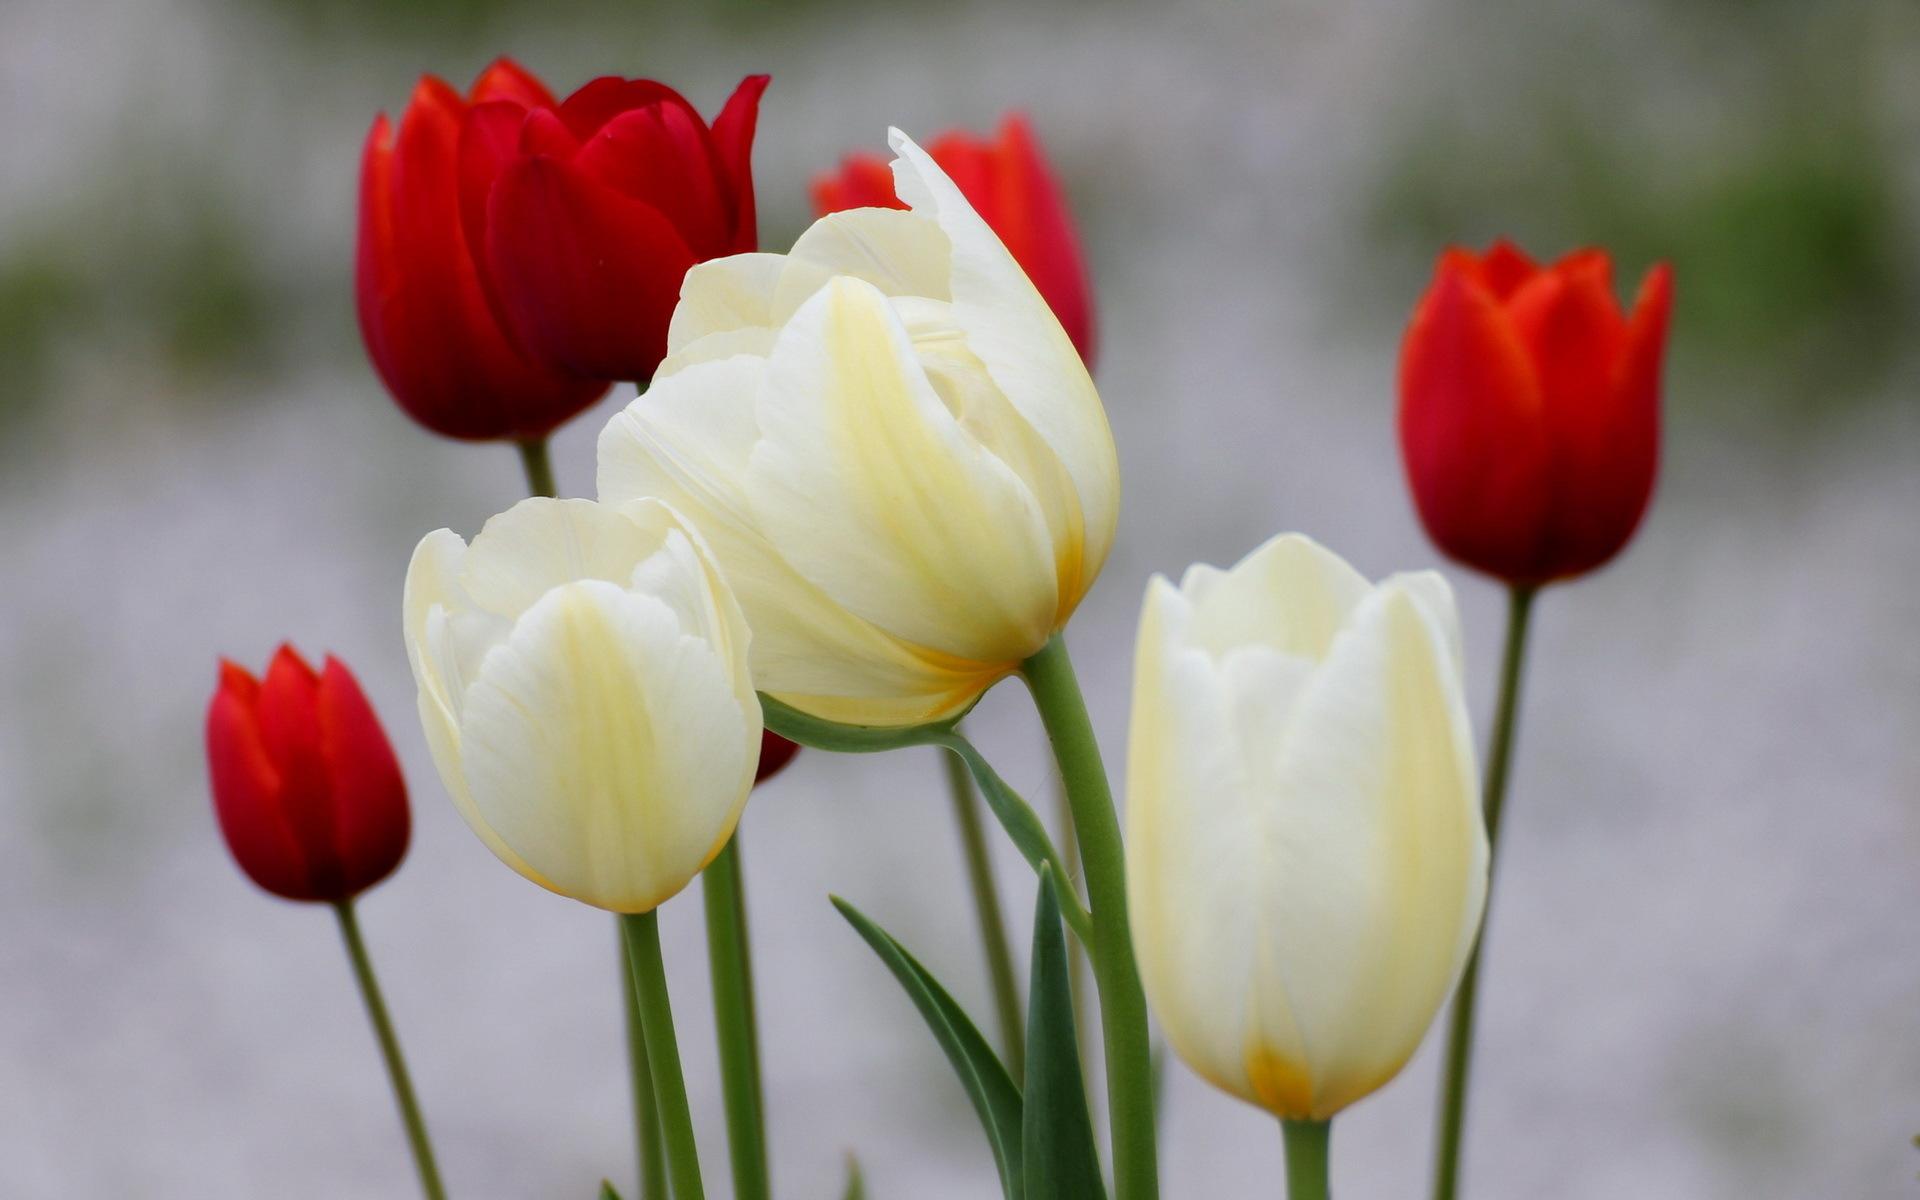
(1704, 980)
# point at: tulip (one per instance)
(1530, 411)
(308, 792)
(1011, 184)
(582, 675)
(775, 753)
(590, 214)
(893, 449)
(1306, 860)
(424, 315)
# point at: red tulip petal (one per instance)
(863, 181)
(775, 753)
(543, 132)
(1471, 429)
(589, 277)
(1049, 246)
(733, 141)
(246, 792)
(288, 719)
(660, 156)
(1506, 268)
(601, 100)
(505, 79)
(489, 139)
(371, 821)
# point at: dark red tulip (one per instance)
(307, 789)
(424, 314)
(1010, 183)
(775, 753)
(1530, 410)
(591, 212)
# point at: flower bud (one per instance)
(1530, 410)
(583, 683)
(424, 313)
(1013, 187)
(893, 448)
(1306, 859)
(308, 793)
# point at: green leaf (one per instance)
(1023, 827)
(995, 1097)
(1062, 1162)
(856, 1183)
(820, 734)
(607, 1192)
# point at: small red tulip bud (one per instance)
(1530, 410)
(1010, 183)
(775, 753)
(307, 789)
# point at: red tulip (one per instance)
(775, 753)
(428, 326)
(306, 787)
(1012, 186)
(1530, 410)
(591, 213)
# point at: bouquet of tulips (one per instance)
(865, 481)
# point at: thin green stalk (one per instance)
(642, 931)
(410, 1117)
(1123, 1006)
(1308, 1158)
(986, 907)
(1459, 1062)
(1076, 953)
(730, 963)
(538, 464)
(651, 1153)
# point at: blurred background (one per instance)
(1704, 980)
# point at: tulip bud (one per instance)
(1530, 410)
(1011, 184)
(893, 449)
(1306, 859)
(307, 790)
(775, 753)
(583, 683)
(594, 210)
(425, 317)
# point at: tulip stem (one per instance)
(986, 908)
(730, 963)
(642, 932)
(1123, 1006)
(646, 1117)
(416, 1125)
(538, 464)
(1459, 1062)
(1308, 1158)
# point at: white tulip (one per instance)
(1306, 856)
(583, 682)
(893, 449)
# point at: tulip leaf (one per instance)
(856, 1183)
(996, 1098)
(607, 1192)
(1024, 827)
(820, 734)
(1062, 1162)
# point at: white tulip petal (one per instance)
(723, 295)
(608, 747)
(1238, 606)
(1014, 332)
(539, 544)
(900, 253)
(874, 492)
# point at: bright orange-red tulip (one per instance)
(1530, 410)
(1010, 183)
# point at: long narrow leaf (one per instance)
(856, 1183)
(995, 1096)
(1062, 1162)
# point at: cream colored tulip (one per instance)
(583, 682)
(893, 449)
(1307, 862)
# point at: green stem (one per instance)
(1308, 1158)
(646, 1118)
(538, 464)
(1076, 951)
(642, 931)
(730, 963)
(986, 907)
(1123, 1006)
(410, 1117)
(1459, 1062)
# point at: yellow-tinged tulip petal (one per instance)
(1306, 855)
(584, 686)
(908, 494)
